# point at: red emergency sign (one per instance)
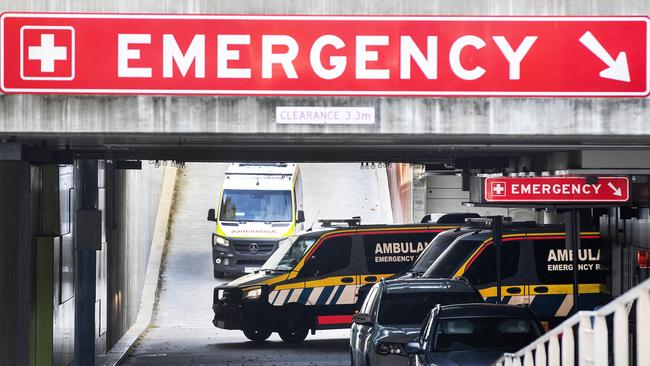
(324, 55)
(556, 189)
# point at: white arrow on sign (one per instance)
(617, 69)
(617, 191)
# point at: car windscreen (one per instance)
(432, 251)
(409, 309)
(484, 334)
(288, 255)
(251, 205)
(452, 258)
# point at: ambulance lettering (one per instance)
(566, 255)
(398, 252)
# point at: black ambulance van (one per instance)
(536, 268)
(313, 283)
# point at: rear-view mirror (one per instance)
(362, 319)
(301, 216)
(211, 215)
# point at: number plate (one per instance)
(250, 269)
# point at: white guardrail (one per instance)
(592, 347)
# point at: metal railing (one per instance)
(594, 343)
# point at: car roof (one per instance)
(485, 310)
(399, 286)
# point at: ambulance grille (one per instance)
(244, 247)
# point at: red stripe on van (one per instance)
(334, 319)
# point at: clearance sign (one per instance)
(324, 55)
(556, 189)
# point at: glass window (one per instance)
(411, 308)
(554, 261)
(251, 205)
(66, 251)
(332, 255)
(484, 334)
(452, 258)
(66, 184)
(483, 270)
(393, 253)
(366, 308)
(288, 255)
(432, 252)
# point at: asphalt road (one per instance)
(182, 332)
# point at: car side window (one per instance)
(483, 270)
(331, 256)
(366, 308)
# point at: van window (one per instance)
(483, 270)
(393, 253)
(554, 261)
(331, 256)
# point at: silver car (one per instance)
(393, 312)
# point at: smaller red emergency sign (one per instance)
(556, 189)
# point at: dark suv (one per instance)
(393, 312)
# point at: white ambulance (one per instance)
(260, 207)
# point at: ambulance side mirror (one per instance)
(211, 215)
(301, 216)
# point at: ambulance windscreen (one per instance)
(432, 251)
(452, 258)
(252, 205)
(287, 256)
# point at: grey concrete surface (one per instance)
(442, 7)
(182, 332)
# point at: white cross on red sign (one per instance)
(556, 189)
(324, 55)
(47, 53)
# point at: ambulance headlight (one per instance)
(253, 293)
(384, 349)
(219, 241)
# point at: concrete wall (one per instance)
(477, 117)
(131, 212)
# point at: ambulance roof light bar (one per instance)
(354, 221)
(486, 222)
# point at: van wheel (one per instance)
(257, 335)
(295, 331)
(218, 274)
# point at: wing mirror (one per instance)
(301, 216)
(211, 215)
(413, 348)
(362, 319)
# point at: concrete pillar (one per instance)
(87, 238)
(19, 198)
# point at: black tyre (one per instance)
(295, 331)
(257, 335)
(218, 274)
